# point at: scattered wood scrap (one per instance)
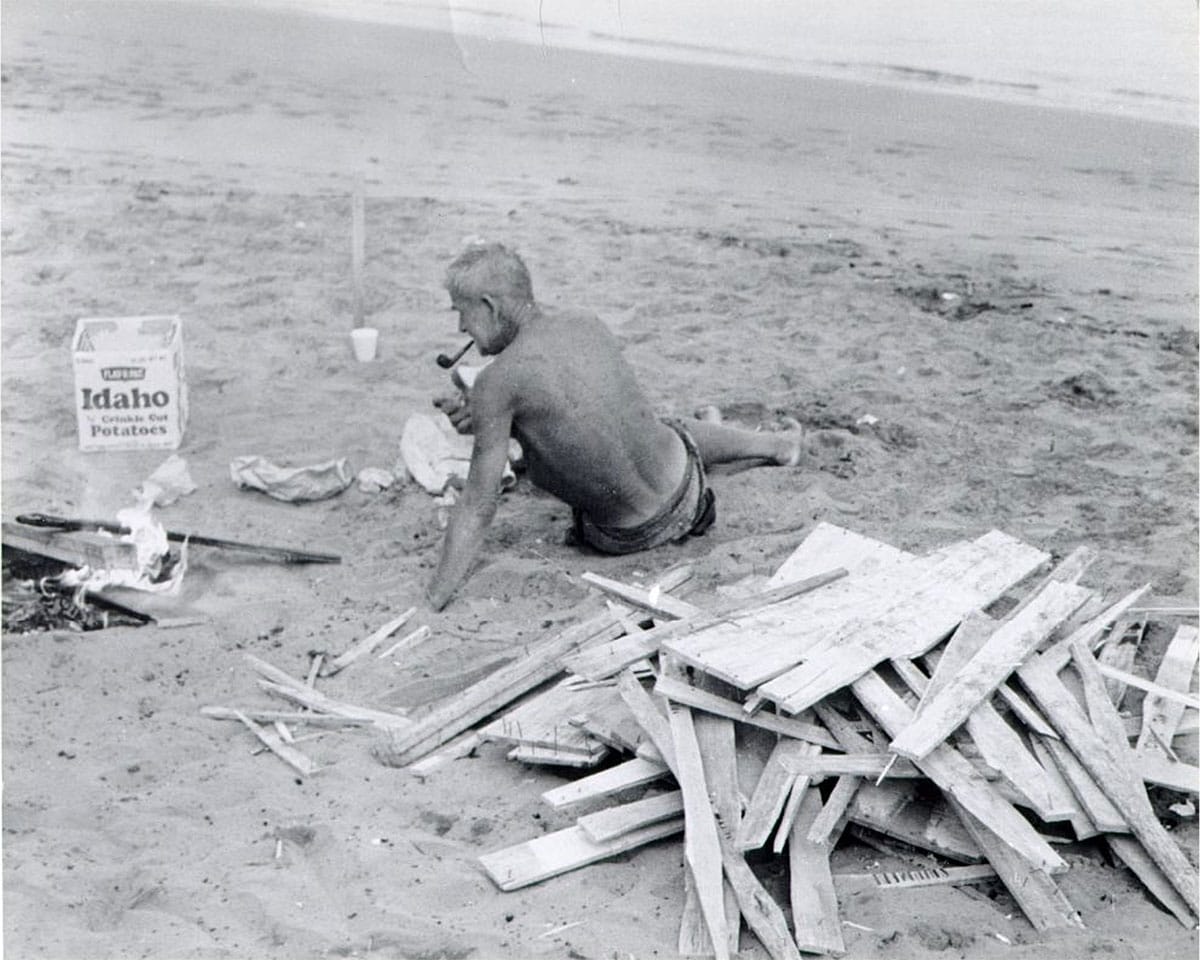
(867, 693)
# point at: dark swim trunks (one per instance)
(690, 511)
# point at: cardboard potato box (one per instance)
(130, 388)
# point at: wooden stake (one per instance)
(814, 901)
(365, 646)
(358, 253)
(289, 755)
(701, 845)
(417, 636)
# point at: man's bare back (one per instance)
(561, 387)
(587, 431)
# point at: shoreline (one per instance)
(1045, 90)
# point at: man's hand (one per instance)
(458, 408)
(436, 598)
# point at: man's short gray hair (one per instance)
(489, 269)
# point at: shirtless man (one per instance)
(560, 386)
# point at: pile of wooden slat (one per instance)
(861, 679)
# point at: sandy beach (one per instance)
(988, 309)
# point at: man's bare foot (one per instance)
(791, 446)
(790, 449)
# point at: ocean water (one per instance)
(1134, 58)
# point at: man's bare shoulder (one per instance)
(574, 318)
(496, 379)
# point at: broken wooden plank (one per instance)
(367, 644)
(968, 637)
(910, 627)
(612, 822)
(1165, 772)
(556, 853)
(718, 750)
(1160, 714)
(631, 773)
(844, 732)
(1123, 789)
(662, 737)
(770, 795)
(420, 635)
(1096, 703)
(1069, 571)
(1164, 693)
(285, 716)
(837, 633)
(288, 754)
(907, 879)
(536, 755)
(602, 660)
(955, 775)
(826, 828)
(1024, 711)
(618, 732)
(454, 715)
(814, 901)
(75, 548)
(871, 765)
(828, 545)
(1080, 822)
(564, 738)
(648, 716)
(701, 844)
(793, 727)
(938, 716)
(801, 787)
(655, 600)
(1099, 813)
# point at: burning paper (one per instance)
(155, 571)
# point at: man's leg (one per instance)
(719, 443)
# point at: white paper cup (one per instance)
(365, 340)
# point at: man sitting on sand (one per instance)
(561, 387)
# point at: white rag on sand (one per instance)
(293, 484)
(436, 455)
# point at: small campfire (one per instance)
(35, 598)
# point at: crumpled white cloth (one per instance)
(436, 455)
(293, 484)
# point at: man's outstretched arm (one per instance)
(474, 511)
